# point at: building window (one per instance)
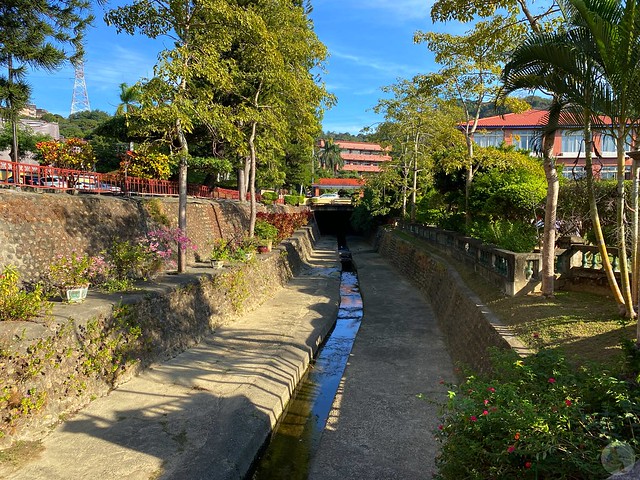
(573, 172)
(493, 138)
(608, 173)
(526, 140)
(608, 143)
(572, 142)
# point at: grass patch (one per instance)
(585, 326)
(17, 455)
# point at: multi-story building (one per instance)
(524, 130)
(361, 157)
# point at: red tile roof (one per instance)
(530, 118)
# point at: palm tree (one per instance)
(331, 157)
(593, 64)
(130, 103)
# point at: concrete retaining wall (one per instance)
(59, 363)
(34, 227)
(469, 327)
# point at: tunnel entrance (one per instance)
(335, 222)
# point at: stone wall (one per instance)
(58, 363)
(34, 226)
(469, 327)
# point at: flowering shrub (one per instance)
(15, 302)
(542, 419)
(76, 270)
(286, 223)
(70, 153)
(146, 164)
(164, 241)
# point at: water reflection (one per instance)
(298, 434)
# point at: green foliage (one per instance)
(27, 139)
(132, 261)
(294, 200)
(536, 418)
(221, 250)
(16, 304)
(513, 235)
(517, 192)
(269, 197)
(265, 231)
(76, 270)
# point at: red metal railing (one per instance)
(54, 178)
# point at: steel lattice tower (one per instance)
(80, 99)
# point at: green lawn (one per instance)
(586, 326)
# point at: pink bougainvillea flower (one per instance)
(486, 402)
(511, 449)
(527, 465)
(491, 389)
(486, 412)
(473, 418)
(567, 402)
(552, 380)
(440, 427)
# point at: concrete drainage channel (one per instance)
(298, 433)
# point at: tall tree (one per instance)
(471, 66)
(129, 104)
(34, 34)
(330, 155)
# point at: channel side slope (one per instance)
(206, 413)
(378, 427)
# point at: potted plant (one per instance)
(266, 233)
(220, 252)
(71, 275)
(246, 249)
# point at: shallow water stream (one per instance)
(298, 433)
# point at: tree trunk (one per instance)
(242, 184)
(182, 195)
(625, 284)
(635, 260)
(595, 220)
(467, 183)
(252, 179)
(551, 205)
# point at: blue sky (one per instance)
(370, 44)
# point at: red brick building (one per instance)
(361, 157)
(523, 130)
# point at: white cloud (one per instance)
(384, 66)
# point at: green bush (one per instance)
(541, 419)
(132, 261)
(294, 199)
(265, 230)
(15, 302)
(514, 236)
(269, 197)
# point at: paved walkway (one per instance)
(205, 414)
(379, 428)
